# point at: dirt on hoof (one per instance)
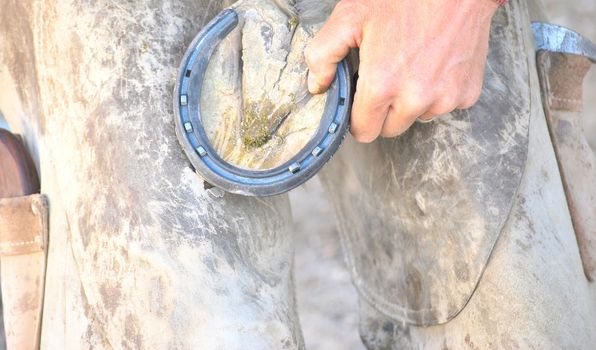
(256, 108)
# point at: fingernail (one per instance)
(425, 121)
(313, 85)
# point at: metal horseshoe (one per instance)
(219, 173)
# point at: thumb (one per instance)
(330, 45)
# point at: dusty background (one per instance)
(326, 300)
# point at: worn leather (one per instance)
(23, 248)
(420, 214)
(23, 225)
(561, 77)
(23, 244)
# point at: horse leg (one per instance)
(140, 255)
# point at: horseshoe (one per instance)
(205, 160)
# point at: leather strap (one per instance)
(23, 225)
(23, 244)
(561, 77)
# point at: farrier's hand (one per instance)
(418, 58)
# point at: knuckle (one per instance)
(382, 89)
(468, 103)
(318, 64)
(473, 93)
(414, 97)
(444, 105)
(351, 14)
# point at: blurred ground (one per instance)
(327, 301)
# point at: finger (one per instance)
(427, 117)
(445, 102)
(369, 111)
(330, 45)
(471, 82)
(438, 110)
(400, 117)
(472, 94)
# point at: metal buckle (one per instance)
(555, 38)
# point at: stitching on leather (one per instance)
(18, 244)
(551, 97)
(562, 99)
